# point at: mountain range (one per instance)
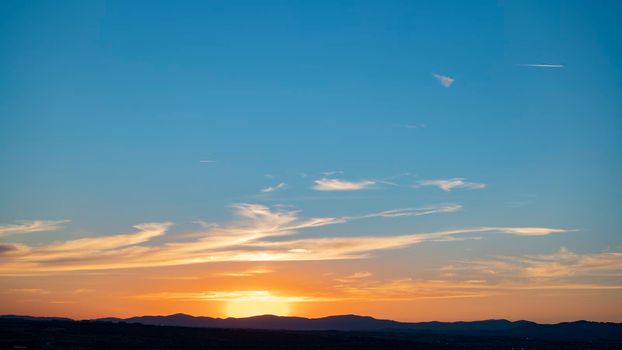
(577, 329)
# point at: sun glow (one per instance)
(253, 303)
(255, 308)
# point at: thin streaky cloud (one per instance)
(331, 173)
(564, 265)
(450, 184)
(247, 273)
(31, 226)
(146, 232)
(389, 179)
(29, 290)
(444, 80)
(411, 289)
(396, 176)
(232, 296)
(358, 275)
(326, 184)
(207, 161)
(542, 65)
(343, 248)
(372, 289)
(259, 233)
(394, 213)
(274, 188)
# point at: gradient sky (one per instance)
(412, 160)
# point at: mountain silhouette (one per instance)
(577, 329)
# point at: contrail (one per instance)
(541, 65)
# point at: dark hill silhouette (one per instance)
(577, 329)
(339, 323)
(30, 333)
(35, 318)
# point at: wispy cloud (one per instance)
(145, 233)
(450, 184)
(412, 211)
(279, 186)
(444, 80)
(7, 248)
(415, 126)
(207, 161)
(32, 226)
(231, 296)
(526, 274)
(363, 287)
(562, 264)
(83, 291)
(248, 272)
(358, 275)
(332, 172)
(413, 289)
(336, 248)
(542, 65)
(568, 263)
(326, 184)
(347, 290)
(29, 291)
(259, 233)
(354, 277)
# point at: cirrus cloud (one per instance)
(259, 233)
(326, 184)
(444, 80)
(31, 226)
(449, 184)
(279, 186)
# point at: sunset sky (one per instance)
(410, 160)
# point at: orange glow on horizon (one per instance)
(250, 308)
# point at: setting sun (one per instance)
(255, 308)
(253, 303)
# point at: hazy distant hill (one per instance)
(35, 318)
(577, 329)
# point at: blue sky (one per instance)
(107, 110)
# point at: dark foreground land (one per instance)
(59, 334)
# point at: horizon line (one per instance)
(307, 318)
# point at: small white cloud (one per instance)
(542, 65)
(207, 161)
(449, 184)
(299, 250)
(279, 186)
(415, 126)
(444, 80)
(341, 185)
(83, 291)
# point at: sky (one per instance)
(410, 160)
